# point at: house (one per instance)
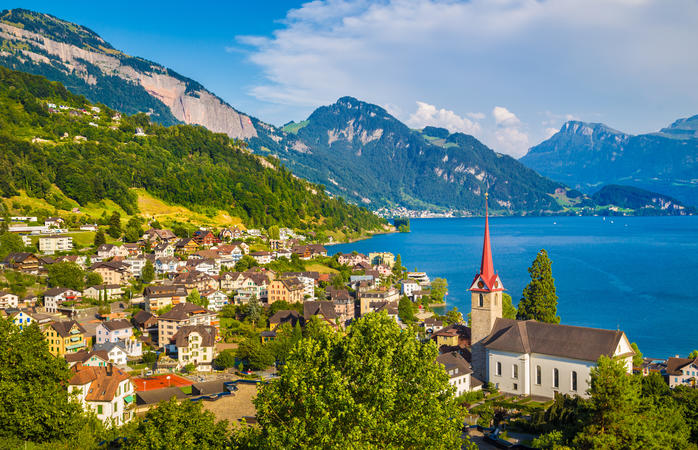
(89, 227)
(241, 244)
(8, 300)
(309, 280)
(229, 254)
(383, 270)
(283, 316)
(681, 371)
(351, 259)
(132, 249)
(205, 238)
(529, 357)
(255, 284)
(136, 265)
(119, 331)
(180, 315)
(54, 222)
(409, 287)
(168, 264)
(344, 305)
(106, 251)
(228, 234)
(25, 318)
(22, 261)
(80, 260)
(115, 351)
(55, 243)
(155, 235)
(88, 358)
(322, 309)
(289, 290)
(103, 291)
(195, 344)
(459, 372)
(196, 280)
(160, 296)
(112, 272)
(432, 325)
(381, 295)
(216, 299)
(207, 266)
(186, 246)
(283, 253)
(378, 258)
(65, 337)
(262, 257)
(232, 281)
(54, 297)
(106, 391)
(452, 336)
(164, 250)
(309, 251)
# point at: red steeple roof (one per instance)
(486, 265)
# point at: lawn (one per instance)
(320, 268)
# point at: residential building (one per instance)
(309, 280)
(25, 318)
(106, 391)
(154, 235)
(420, 277)
(115, 351)
(146, 323)
(106, 251)
(54, 222)
(195, 344)
(119, 330)
(207, 266)
(288, 290)
(55, 243)
(228, 234)
(196, 280)
(321, 309)
(22, 261)
(283, 316)
(262, 257)
(344, 305)
(186, 246)
(55, 297)
(65, 337)
(681, 371)
(459, 372)
(216, 299)
(381, 295)
(112, 272)
(168, 264)
(135, 265)
(160, 296)
(205, 238)
(103, 291)
(351, 259)
(8, 300)
(378, 258)
(164, 250)
(409, 287)
(181, 315)
(452, 336)
(88, 358)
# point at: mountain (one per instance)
(589, 155)
(642, 202)
(358, 150)
(60, 148)
(87, 65)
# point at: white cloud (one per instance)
(503, 116)
(628, 59)
(476, 115)
(427, 114)
(549, 132)
(508, 135)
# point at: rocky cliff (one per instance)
(88, 65)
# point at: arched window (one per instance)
(556, 378)
(482, 300)
(574, 381)
(539, 375)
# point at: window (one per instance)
(499, 369)
(99, 409)
(538, 375)
(515, 371)
(516, 387)
(556, 378)
(482, 300)
(574, 381)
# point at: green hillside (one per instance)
(52, 138)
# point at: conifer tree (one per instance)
(539, 300)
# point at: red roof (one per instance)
(487, 273)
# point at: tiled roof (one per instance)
(207, 333)
(63, 328)
(113, 325)
(182, 311)
(104, 381)
(455, 364)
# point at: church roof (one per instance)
(487, 273)
(565, 341)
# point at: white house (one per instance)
(262, 257)
(8, 300)
(113, 331)
(136, 265)
(107, 391)
(409, 287)
(54, 297)
(195, 344)
(115, 352)
(55, 243)
(106, 251)
(216, 299)
(459, 372)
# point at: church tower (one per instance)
(485, 302)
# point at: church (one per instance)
(530, 357)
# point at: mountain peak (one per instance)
(588, 128)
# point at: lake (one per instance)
(638, 274)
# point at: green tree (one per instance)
(66, 274)
(114, 229)
(273, 232)
(150, 358)
(508, 310)
(10, 243)
(252, 310)
(405, 310)
(454, 316)
(196, 298)
(225, 359)
(256, 355)
(36, 405)
(397, 267)
(354, 390)
(693, 354)
(93, 279)
(439, 288)
(100, 238)
(637, 358)
(539, 301)
(178, 425)
(148, 273)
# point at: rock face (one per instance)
(587, 156)
(88, 65)
(359, 151)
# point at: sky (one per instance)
(509, 72)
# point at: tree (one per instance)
(225, 359)
(397, 267)
(439, 289)
(637, 358)
(100, 238)
(196, 298)
(405, 310)
(176, 425)
(10, 243)
(36, 405)
(148, 273)
(245, 263)
(114, 229)
(150, 358)
(93, 279)
(273, 232)
(539, 300)
(454, 316)
(258, 356)
(693, 354)
(351, 391)
(508, 310)
(252, 310)
(66, 274)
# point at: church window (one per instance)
(556, 378)
(515, 371)
(499, 369)
(516, 387)
(482, 300)
(538, 375)
(574, 381)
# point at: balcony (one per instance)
(75, 346)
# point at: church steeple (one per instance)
(486, 265)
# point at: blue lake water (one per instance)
(639, 274)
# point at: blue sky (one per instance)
(510, 72)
